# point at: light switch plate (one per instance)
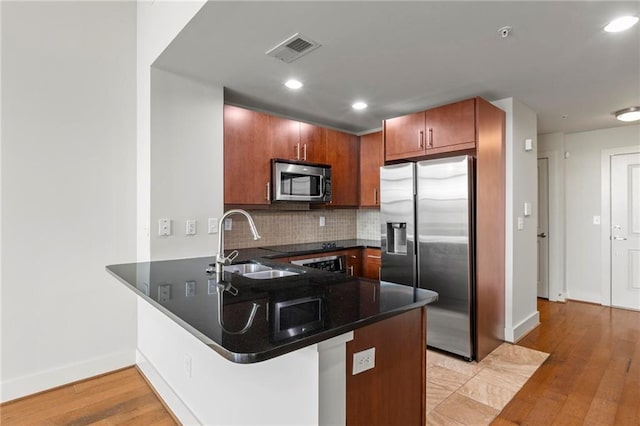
(190, 288)
(527, 209)
(190, 227)
(364, 360)
(228, 224)
(213, 225)
(528, 144)
(596, 220)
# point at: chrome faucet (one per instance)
(221, 260)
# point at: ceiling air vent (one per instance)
(293, 48)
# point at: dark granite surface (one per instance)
(318, 247)
(348, 303)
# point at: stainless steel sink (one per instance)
(258, 271)
(268, 275)
(246, 268)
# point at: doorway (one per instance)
(543, 227)
(620, 252)
(625, 231)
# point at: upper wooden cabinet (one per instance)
(252, 139)
(283, 138)
(312, 143)
(293, 140)
(371, 159)
(343, 156)
(244, 128)
(447, 128)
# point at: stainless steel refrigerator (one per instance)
(426, 218)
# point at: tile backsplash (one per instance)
(290, 227)
(368, 224)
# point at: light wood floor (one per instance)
(119, 398)
(591, 377)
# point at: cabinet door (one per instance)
(371, 263)
(354, 262)
(245, 143)
(312, 143)
(342, 153)
(404, 137)
(451, 127)
(371, 160)
(284, 138)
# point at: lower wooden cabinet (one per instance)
(371, 263)
(354, 262)
(394, 391)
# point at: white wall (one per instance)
(551, 146)
(521, 314)
(68, 191)
(158, 22)
(583, 201)
(186, 163)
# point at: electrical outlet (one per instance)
(322, 221)
(228, 224)
(213, 225)
(364, 360)
(190, 288)
(164, 227)
(596, 220)
(520, 223)
(190, 227)
(164, 293)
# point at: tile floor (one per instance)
(473, 393)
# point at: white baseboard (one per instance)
(514, 334)
(166, 392)
(48, 379)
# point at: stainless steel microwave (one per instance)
(300, 181)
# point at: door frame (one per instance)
(605, 218)
(557, 290)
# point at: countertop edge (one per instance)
(249, 358)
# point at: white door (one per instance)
(543, 227)
(625, 231)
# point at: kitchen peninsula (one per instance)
(279, 366)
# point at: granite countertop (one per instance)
(317, 247)
(186, 293)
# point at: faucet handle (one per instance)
(232, 256)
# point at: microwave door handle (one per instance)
(322, 186)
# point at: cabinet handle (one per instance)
(430, 144)
(351, 270)
(370, 256)
(268, 198)
(304, 156)
(375, 195)
(420, 138)
(297, 151)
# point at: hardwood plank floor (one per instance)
(122, 397)
(592, 376)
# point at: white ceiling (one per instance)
(402, 57)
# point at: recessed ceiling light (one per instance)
(359, 105)
(293, 84)
(628, 114)
(621, 24)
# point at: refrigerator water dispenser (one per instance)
(397, 237)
